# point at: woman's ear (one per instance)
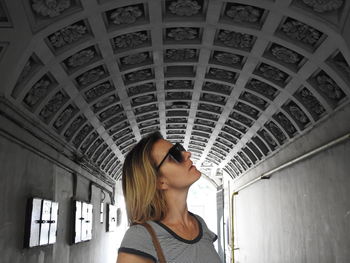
(162, 184)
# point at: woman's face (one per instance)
(173, 174)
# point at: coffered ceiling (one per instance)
(234, 81)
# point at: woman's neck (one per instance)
(177, 208)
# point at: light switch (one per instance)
(112, 218)
(34, 231)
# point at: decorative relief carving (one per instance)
(244, 13)
(130, 40)
(93, 147)
(241, 118)
(53, 106)
(285, 123)
(31, 65)
(99, 152)
(245, 158)
(272, 73)
(103, 157)
(222, 74)
(155, 128)
(201, 128)
(38, 92)
(118, 118)
(91, 76)
(144, 109)
(236, 40)
(124, 139)
(137, 90)
(183, 33)
(297, 113)
(176, 126)
(221, 153)
(176, 120)
(50, 8)
(26, 69)
(110, 112)
(125, 15)
(180, 54)
(139, 75)
(87, 142)
(231, 131)
(309, 101)
(178, 95)
(268, 139)
(215, 87)
(179, 84)
(224, 142)
(209, 108)
(78, 139)
(65, 117)
(178, 105)
(247, 110)
(236, 125)
(98, 91)
(205, 122)
(68, 35)
(273, 128)
(81, 58)
(206, 115)
(184, 7)
(143, 99)
(341, 64)
(213, 98)
(134, 59)
(260, 103)
(262, 88)
(121, 134)
(243, 164)
(75, 125)
(286, 55)
(328, 87)
(321, 6)
(301, 32)
(147, 116)
(105, 102)
(118, 127)
(199, 139)
(228, 58)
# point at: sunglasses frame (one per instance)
(175, 152)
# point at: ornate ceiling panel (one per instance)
(234, 81)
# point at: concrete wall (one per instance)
(24, 174)
(302, 213)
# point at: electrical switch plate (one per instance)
(41, 225)
(83, 216)
(34, 231)
(112, 218)
(53, 223)
(45, 226)
(77, 221)
(101, 213)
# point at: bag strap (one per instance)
(155, 242)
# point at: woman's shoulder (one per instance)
(207, 233)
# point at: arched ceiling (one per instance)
(234, 81)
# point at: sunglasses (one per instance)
(175, 152)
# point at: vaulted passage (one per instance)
(257, 91)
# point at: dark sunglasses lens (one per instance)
(176, 152)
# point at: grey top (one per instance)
(138, 241)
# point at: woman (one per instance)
(156, 178)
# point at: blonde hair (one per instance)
(139, 180)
